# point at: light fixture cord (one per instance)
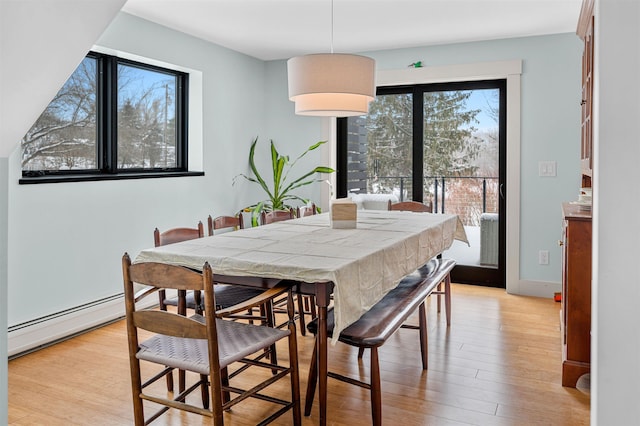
(331, 26)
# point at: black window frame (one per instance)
(462, 273)
(417, 90)
(107, 129)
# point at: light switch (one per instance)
(546, 168)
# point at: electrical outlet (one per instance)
(543, 257)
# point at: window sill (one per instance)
(99, 177)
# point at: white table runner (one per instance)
(363, 263)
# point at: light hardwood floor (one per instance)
(498, 364)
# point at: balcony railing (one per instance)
(467, 196)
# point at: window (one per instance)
(113, 118)
(437, 143)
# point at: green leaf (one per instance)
(254, 169)
(279, 195)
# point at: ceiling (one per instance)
(280, 29)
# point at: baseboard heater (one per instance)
(45, 331)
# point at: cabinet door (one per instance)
(578, 291)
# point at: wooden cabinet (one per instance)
(585, 32)
(576, 293)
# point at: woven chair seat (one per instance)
(235, 340)
(226, 295)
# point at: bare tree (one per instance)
(65, 135)
(67, 125)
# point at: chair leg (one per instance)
(182, 310)
(136, 390)
(162, 296)
(423, 335)
(197, 298)
(215, 382)
(170, 381)
(312, 305)
(312, 380)
(439, 289)
(204, 390)
(447, 298)
(270, 321)
(224, 379)
(360, 352)
(182, 380)
(293, 366)
(376, 394)
(303, 328)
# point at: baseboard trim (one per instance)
(538, 288)
(41, 332)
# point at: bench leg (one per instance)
(422, 315)
(312, 380)
(376, 394)
(447, 297)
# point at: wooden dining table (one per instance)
(358, 266)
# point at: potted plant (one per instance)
(280, 195)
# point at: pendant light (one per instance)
(331, 84)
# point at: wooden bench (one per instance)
(376, 325)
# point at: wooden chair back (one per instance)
(411, 206)
(223, 222)
(306, 210)
(275, 216)
(174, 341)
(170, 236)
(176, 235)
(163, 276)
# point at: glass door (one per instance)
(441, 144)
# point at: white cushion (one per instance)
(373, 201)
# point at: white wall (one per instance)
(4, 173)
(296, 132)
(550, 130)
(615, 350)
(96, 222)
(30, 36)
(133, 205)
(550, 117)
(244, 98)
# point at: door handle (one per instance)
(500, 190)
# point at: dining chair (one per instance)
(411, 206)
(415, 206)
(229, 295)
(309, 302)
(276, 216)
(309, 210)
(176, 235)
(184, 300)
(225, 222)
(205, 345)
(306, 303)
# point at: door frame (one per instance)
(509, 70)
